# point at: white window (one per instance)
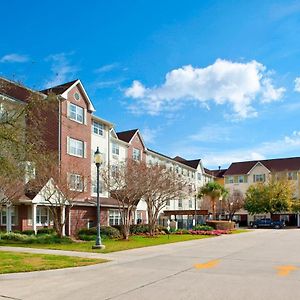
(76, 182)
(94, 187)
(230, 179)
(241, 179)
(168, 203)
(13, 216)
(76, 147)
(190, 203)
(76, 113)
(136, 154)
(98, 128)
(180, 203)
(199, 176)
(114, 170)
(292, 175)
(114, 217)
(3, 216)
(42, 215)
(115, 149)
(259, 178)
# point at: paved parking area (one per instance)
(263, 264)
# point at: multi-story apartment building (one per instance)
(183, 210)
(240, 175)
(74, 132)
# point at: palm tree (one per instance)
(214, 191)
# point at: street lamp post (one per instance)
(195, 215)
(98, 161)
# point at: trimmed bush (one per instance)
(139, 229)
(221, 225)
(203, 227)
(45, 231)
(28, 232)
(89, 234)
(33, 239)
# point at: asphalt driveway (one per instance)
(263, 264)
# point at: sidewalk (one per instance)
(55, 252)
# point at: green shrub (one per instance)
(88, 234)
(86, 237)
(88, 231)
(203, 227)
(110, 232)
(16, 237)
(46, 231)
(139, 229)
(32, 239)
(28, 232)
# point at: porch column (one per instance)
(34, 218)
(69, 224)
(8, 218)
(63, 219)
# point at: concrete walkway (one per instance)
(263, 264)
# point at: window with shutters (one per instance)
(76, 113)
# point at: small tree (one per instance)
(57, 188)
(214, 191)
(233, 203)
(162, 185)
(272, 197)
(125, 183)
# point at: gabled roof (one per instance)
(274, 165)
(126, 136)
(191, 163)
(63, 90)
(17, 91)
(219, 173)
(59, 89)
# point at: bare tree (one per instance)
(162, 185)
(58, 188)
(233, 203)
(125, 183)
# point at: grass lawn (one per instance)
(12, 262)
(111, 245)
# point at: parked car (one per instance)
(267, 223)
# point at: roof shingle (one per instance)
(274, 165)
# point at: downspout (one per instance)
(59, 133)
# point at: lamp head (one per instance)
(98, 157)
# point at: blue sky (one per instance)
(215, 80)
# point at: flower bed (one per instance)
(204, 232)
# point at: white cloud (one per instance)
(211, 133)
(61, 68)
(106, 68)
(149, 135)
(14, 58)
(224, 82)
(297, 84)
(282, 147)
